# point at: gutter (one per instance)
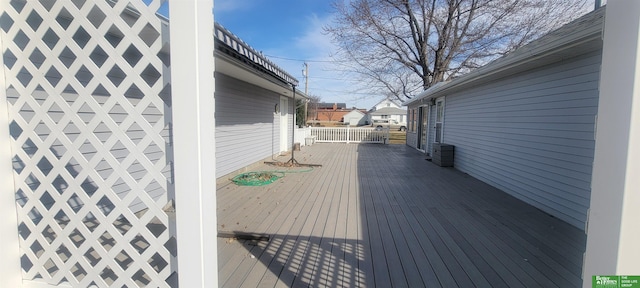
(234, 43)
(255, 59)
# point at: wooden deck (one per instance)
(381, 216)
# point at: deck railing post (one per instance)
(388, 132)
(193, 86)
(349, 126)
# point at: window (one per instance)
(439, 119)
(413, 120)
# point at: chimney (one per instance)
(335, 106)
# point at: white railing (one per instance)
(350, 134)
(301, 134)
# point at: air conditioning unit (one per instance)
(442, 155)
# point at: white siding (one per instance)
(531, 135)
(247, 129)
(386, 103)
(412, 139)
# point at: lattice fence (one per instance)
(88, 91)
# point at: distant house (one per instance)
(354, 118)
(331, 106)
(254, 105)
(387, 109)
(329, 112)
(524, 123)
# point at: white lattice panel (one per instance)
(89, 108)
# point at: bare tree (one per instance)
(405, 46)
(312, 107)
(330, 114)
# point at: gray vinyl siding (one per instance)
(412, 139)
(531, 134)
(247, 129)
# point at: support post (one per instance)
(193, 87)
(612, 227)
(293, 160)
(306, 92)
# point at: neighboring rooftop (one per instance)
(324, 105)
(389, 111)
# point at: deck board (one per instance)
(381, 216)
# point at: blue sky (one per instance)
(289, 29)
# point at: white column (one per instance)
(613, 234)
(192, 81)
(10, 271)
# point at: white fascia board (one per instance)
(234, 68)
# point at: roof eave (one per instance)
(536, 54)
(232, 67)
(239, 47)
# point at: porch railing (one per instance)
(302, 134)
(350, 134)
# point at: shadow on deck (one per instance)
(380, 215)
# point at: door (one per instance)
(421, 128)
(439, 119)
(424, 123)
(284, 123)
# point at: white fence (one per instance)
(350, 134)
(301, 135)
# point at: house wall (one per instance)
(247, 129)
(331, 115)
(354, 118)
(412, 139)
(386, 103)
(531, 135)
